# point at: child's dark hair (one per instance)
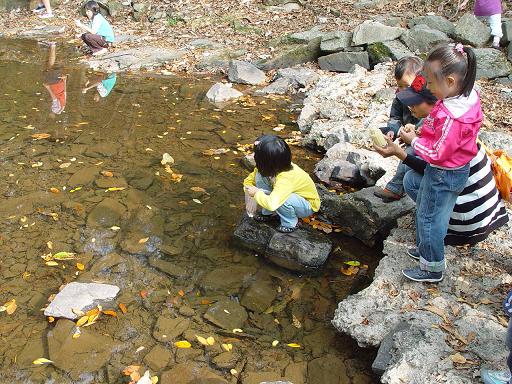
(457, 60)
(272, 155)
(93, 7)
(408, 64)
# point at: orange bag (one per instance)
(502, 170)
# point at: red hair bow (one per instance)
(418, 83)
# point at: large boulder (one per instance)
(387, 51)
(439, 23)
(245, 73)
(422, 38)
(336, 41)
(363, 215)
(292, 55)
(470, 30)
(373, 32)
(80, 296)
(220, 93)
(302, 250)
(491, 63)
(306, 36)
(344, 61)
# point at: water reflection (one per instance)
(104, 83)
(55, 81)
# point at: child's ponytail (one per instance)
(468, 82)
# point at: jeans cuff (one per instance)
(432, 266)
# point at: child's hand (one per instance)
(391, 135)
(251, 190)
(407, 135)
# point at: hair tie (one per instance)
(459, 48)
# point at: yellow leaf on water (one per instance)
(234, 372)
(92, 319)
(77, 333)
(54, 190)
(154, 379)
(210, 340)
(107, 173)
(275, 343)
(123, 308)
(113, 189)
(227, 347)
(198, 189)
(110, 313)
(182, 344)
(78, 312)
(52, 263)
(296, 322)
(201, 340)
(294, 345)
(82, 321)
(197, 201)
(9, 307)
(64, 256)
(80, 266)
(237, 330)
(143, 240)
(39, 136)
(42, 361)
(25, 275)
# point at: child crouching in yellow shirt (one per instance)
(282, 189)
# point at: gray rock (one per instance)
(336, 41)
(347, 173)
(226, 314)
(384, 355)
(391, 21)
(370, 4)
(422, 38)
(509, 52)
(506, 27)
(496, 139)
(218, 59)
(387, 51)
(245, 73)
(344, 61)
(439, 23)
(106, 214)
(373, 32)
(107, 7)
(73, 355)
(258, 297)
(491, 63)
(292, 55)
(83, 177)
(80, 296)
(145, 57)
(306, 36)
(45, 31)
(470, 30)
(302, 250)
(363, 215)
(221, 92)
(204, 43)
(300, 77)
(280, 86)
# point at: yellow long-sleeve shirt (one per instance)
(294, 181)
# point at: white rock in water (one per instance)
(221, 92)
(167, 159)
(80, 296)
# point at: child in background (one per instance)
(502, 377)
(103, 84)
(447, 144)
(45, 9)
(282, 189)
(406, 70)
(490, 10)
(420, 101)
(99, 34)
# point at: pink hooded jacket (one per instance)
(449, 133)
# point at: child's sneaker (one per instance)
(386, 195)
(495, 377)
(496, 42)
(414, 253)
(46, 15)
(418, 274)
(40, 8)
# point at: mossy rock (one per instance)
(379, 53)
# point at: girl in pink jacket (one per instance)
(447, 144)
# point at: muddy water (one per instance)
(156, 215)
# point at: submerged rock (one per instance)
(227, 280)
(85, 354)
(168, 329)
(80, 296)
(158, 358)
(221, 92)
(106, 214)
(186, 373)
(302, 250)
(245, 73)
(226, 314)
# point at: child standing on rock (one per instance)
(447, 144)
(406, 70)
(490, 10)
(282, 189)
(99, 34)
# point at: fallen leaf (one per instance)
(201, 340)
(113, 189)
(143, 240)
(107, 173)
(64, 256)
(197, 201)
(351, 270)
(167, 159)
(181, 293)
(115, 228)
(154, 379)
(110, 312)
(41, 361)
(40, 136)
(25, 275)
(182, 344)
(210, 340)
(130, 369)
(296, 322)
(458, 358)
(52, 263)
(81, 321)
(198, 189)
(275, 343)
(64, 165)
(80, 266)
(123, 308)
(54, 190)
(93, 311)
(237, 330)
(353, 263)
(144, 294)
(436, 310)
(9, 307)
(294, 345)
(227, 347)
(77, 333)
(233, 371)
(51, 319)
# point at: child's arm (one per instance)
(397, 111)
(283, 188)
(445, 145)
(79, 24)
(251, 179)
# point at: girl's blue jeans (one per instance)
(435, 194)
(396, 184)
(293, 208)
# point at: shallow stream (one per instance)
(58, 162)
